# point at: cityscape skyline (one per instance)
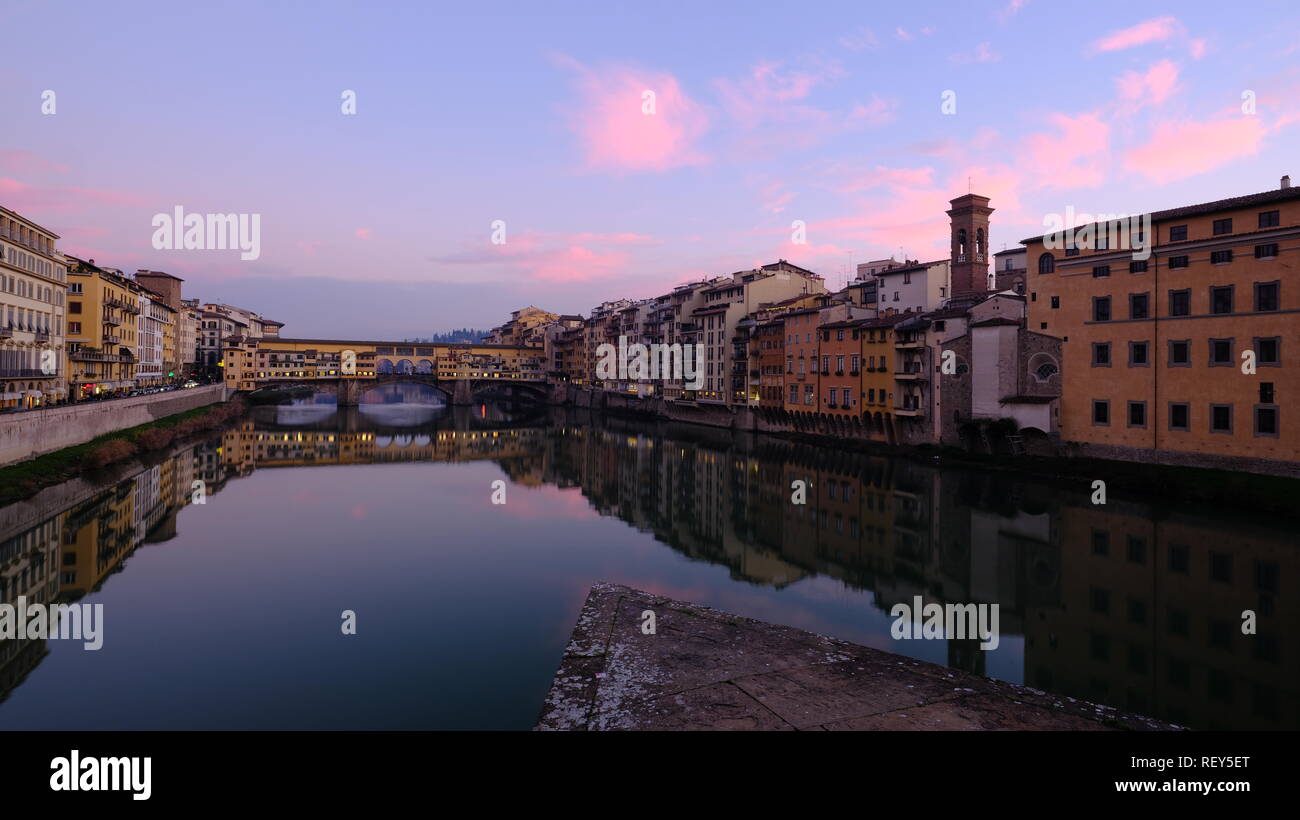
(597, 196)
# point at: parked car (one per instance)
(191, 383)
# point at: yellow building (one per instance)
(32, 283)
(103, 311)
(1180, 357)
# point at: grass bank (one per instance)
(25, 479)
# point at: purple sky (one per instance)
(379, 224)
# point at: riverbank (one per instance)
(26, 478)
(702, 669)
(37, 432)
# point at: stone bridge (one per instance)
(455, 391)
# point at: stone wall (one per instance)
(32, 433)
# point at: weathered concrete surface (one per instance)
(705, 669)
(37, 432)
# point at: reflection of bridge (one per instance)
(464, 373)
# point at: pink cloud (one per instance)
(22, 196)
(1198, 48)
(1154, 30)
(1182, 149)
(1072, 157)
(1153, 87)
(623, 128)
(552, 257)
(25, 162)
(364, 233)
(983, 53)
(771, 106)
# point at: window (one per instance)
(1265, 392)
(1137, 354)
(1101, 412)
(74, 307)
(1220, 418)
(1071, 251)
(1100, 271)
(1180, 416)
(1222, 226)
(1266, 420)
(1180, 303)
(1137, 266)
(1101, 354)
(1137, 414)
(1101, 308)
(1046, 263)
(1221, 257)
(1221, 353)
(1270, 219)
(1268, 351)
(1267, 251)
(1180, 353)
(1266, 295)
(1221, 299)
(1178, 233)
(1176, 262)
(1100, 542)
(1045, 371)
(1139, 306)
(1056, 302)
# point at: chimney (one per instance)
(1286, 182)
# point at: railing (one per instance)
(121, 305)
(42, 336)
(25, 373)
(6, 333)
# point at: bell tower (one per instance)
(969, 220)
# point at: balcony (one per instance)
(913, 344)
(42, 335)
(111, 340)
(854, 372)
(121, 305)
(25, 373)
(109, 320)
(6, 333)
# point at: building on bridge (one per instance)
(351, 367)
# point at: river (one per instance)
(227, 614)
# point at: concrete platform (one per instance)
(706, 669)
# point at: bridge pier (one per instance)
(462, 394)
(348, 392)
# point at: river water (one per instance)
(227, 614)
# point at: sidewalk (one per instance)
(705, 669)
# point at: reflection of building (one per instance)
(1121, 604)
(29, 568)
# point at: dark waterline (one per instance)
(226, 614)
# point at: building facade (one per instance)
(33, 281)
(1187, 356)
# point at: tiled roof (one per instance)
(1232, 203)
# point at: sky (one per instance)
(530, 124)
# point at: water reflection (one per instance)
(1124, 603)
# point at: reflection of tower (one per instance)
(969, 217)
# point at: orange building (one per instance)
(840, 374)
(1181, 357)
(767, 355)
